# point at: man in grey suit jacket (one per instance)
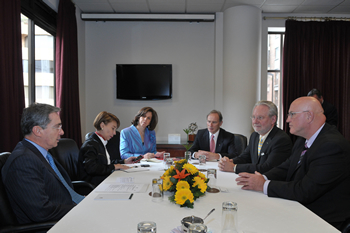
(223, 141)
(275, 147)
(317, 173)
(35, 191)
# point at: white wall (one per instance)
(196, 51)
(189, 47)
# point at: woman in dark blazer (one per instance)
(95, 163)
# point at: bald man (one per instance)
(317, 173)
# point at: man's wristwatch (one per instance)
(234, 168)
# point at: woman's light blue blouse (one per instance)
(131, 142)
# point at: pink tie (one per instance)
(212, 144)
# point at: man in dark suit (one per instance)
(214, 142)
(330, 111)
(317, 173)
(35, 189)
(268, 146)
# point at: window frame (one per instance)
(275, 71)
(39, 14)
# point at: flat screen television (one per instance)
(144, 81)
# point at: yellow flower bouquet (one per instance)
(186, 182)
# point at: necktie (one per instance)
(212, 144)
(75, 197)
(303, 153)
(260, 145)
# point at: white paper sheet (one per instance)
(114, 196)
(122, 188)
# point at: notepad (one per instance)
(114, 196)
(153, 160)
(121, 188)
(136, 169)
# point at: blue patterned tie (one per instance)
(75, 197)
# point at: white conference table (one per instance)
(257, 213)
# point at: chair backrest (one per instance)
(240, 143)
(88, 135)
(67, 153)
(7, 216)
(345, 228)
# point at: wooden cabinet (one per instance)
(175, 150)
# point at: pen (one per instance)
(131, 196)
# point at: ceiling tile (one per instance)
(95, 7)
(321, 2)
(130, 7)
(205, 2)
(346, 3)
(167, 8)
(203, 8)
(274, 8)
(341, 10)
(284, 2)
(313, 9)
(245, 2)
(90, 1)
(128, 1)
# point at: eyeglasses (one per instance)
(291, 114)
(259, 118)
(59, 127)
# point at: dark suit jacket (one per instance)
(321, 181)
(92, 162)
(275, 150)
(36, 193)
(224, 145)
(331, 113)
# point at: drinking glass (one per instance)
(202, 160)
(188, 155)
(169, 162)
(157, 190)
(147, 227)
(165, 157)
(197, 228)
(211, 175)
(229, 217)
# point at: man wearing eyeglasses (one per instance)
(268, 146)
(39, 189)
(317, 173)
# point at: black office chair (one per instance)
(88, 135)
(8, 221)
(346, 227)
(240, 143)
(67, 153)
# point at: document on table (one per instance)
(122, 188)
(153, 160)
(136, 169)
(113, 196)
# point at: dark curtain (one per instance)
(11, 74)
(67, 81)
(317, 55)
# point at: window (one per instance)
(38, 26)
(274, 72)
